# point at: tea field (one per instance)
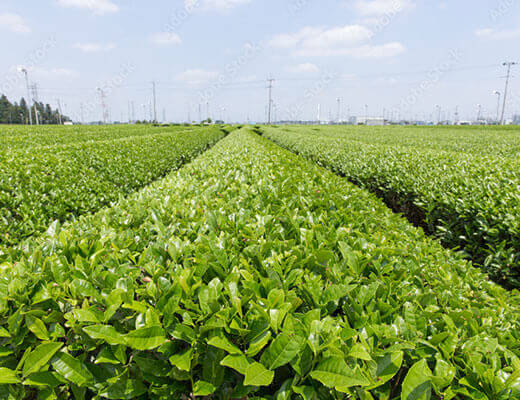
(244, 263)
(49, 176)
(461, 186)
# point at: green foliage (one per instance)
(41, 184)
(251, 273)
(457, 184)
(19, 113)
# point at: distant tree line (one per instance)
(18, 113)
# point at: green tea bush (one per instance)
(252, 273)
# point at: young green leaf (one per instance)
(71, 369)
(39, 357)
(8, 376)
(417, 384)
(105, 332)
(282, 350)
(202, 388)
(182, 360)
(333, 372)
(258, 375)
(146, 338)
(237, 362)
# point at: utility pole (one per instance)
(270, 87)
(207, 110)
(498, 94)
(319, 114)
(29, 102)
(164, 115)
(154, 103)
(508, 64)
(438, 114)
(456, 119)
(59, 112)
(479, 115)
(103, 105)
(339, 110)
(35, 99)
(133, 111)
(200, 113)
(81, 112)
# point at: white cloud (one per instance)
(94, 47)
(382, 7)
(349, 40)
(197, 77)
(316, 38)
(306, 68)
(14, 23)
(99, 7)
(386, 50)
(165, 38)
(247, 79)
(493, 34)
(213, 5)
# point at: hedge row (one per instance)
(63, 182)
(27, 137)
(467, 200)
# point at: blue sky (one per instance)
(398, 57)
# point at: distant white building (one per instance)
(372, 121)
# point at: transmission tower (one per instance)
(103, 105)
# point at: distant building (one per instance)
(516, 119)
(371, 121)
